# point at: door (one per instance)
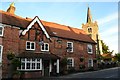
(46, 68)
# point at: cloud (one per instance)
(108, 18)
(112, 30)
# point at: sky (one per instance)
(74, 14)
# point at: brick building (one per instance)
(40, 45)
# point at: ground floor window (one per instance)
(31, 64)
(70, 62)
(90, 62)
(1, 48)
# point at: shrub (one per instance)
(10, 56)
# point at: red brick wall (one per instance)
(12, 42)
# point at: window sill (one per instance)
(90, 53)
(29, 70)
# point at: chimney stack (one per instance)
(11, 9)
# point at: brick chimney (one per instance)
(11, 9)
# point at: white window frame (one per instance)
(72, 46)
(30, 45)
(2, 30)
(1, 53)
(31, 69)
(90, 45)
(72, 62)
(44, 47)
(90, 65)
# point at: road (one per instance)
(105, 73)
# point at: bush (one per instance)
(10, 56)
(71, 70)
(82, 66)
(91, 69)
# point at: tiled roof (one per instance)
(45, 56)
(53, 29)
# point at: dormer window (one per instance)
(89, 30)
(1, 30)
(30, 45)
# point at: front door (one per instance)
(46, 67)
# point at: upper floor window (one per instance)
(1, 31)
(90, 30)
(89, 48)
(45, 47)
(30, 45)
(70, 62)
(1, 48)
(69, 46)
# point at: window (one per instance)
(1, 30)
(70, 62)
(1, 48)
(90, 63)
(69, 46)
(90, 30)
(45, 47)
(30, 45)
(31, 64)
(89, 48)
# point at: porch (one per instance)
(37, 64)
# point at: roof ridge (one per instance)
(30, 19)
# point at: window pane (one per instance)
(38, 65)
(1, 28)
(28, 66)
(46, 46)
(28, 45)
(33, 65)
(42, 47)
(28, 59)
(0, 51)
(38, 60)
(32, 46)
(89, 48)
(33, 60)
(23, 66)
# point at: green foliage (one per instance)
(10, 56)
(82, 66)
(117, 56)
(16, 63)
(63, 62)
(105, 48)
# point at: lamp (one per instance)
(41, 43)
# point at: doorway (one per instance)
(46, 68)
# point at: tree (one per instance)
(117, 56)
(105, 48)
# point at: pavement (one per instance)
(105, 73)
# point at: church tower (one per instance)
(91, 28)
